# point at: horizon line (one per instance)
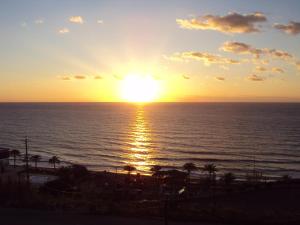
(60, 102)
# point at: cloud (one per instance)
(24, 24)
(242, 48)
(63, 31)
(100, 21)
(220, 78)
(297, 65)
(39, 21)
(231, 23)
(277, 70)
(291, 28)
(80, 77)
(261, 69)
(207, 58)
(254, 77)
(185, 77)
(280, 54)
(118, 77)
(64, 78)
(76, 19)
(97, 77)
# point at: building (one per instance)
(4, 159)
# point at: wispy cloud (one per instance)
(64, 78)
(255, 77)
(230, 23)
(24, 24)
(207, 58)
(261, 69)
(39, 21)
(97, 77)
(291, 28)
(117, 77)
(277, 70)
(298, 65)
(76, 19)
(80, 77)
(186, 77)
(220, 78)
(63, 31)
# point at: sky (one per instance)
(195, 51)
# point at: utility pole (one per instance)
(26, 159)
(166, 210)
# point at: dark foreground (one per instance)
(78, 196)
(35, 217)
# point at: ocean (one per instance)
(236, 137)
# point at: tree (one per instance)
(228, 178)
(79, 171)
(285, 178)
(35, 159)
(155, 170)
(14, 153)
(189, 167)
(54, 160)
(129, 169)
(211, 169)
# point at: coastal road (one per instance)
(35, 217)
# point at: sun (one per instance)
(139, 88)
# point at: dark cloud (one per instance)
(290, 28)
(231, 23)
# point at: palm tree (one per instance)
(189, 167)
(129, 169)
(35, 159)
(211, 169)
(14, 153)
(54, 160)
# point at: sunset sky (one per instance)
(60, 51)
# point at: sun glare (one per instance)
(138, 88)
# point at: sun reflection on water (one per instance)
(140, 152)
